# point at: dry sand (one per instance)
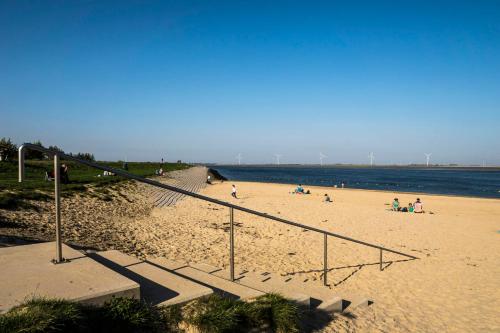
(452, 288)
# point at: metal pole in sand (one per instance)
(231, 242)
(325, 258)
(57, 195)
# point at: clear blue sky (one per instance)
(203, 81)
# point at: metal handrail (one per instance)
(57, 155)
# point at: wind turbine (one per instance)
(278, 156)
(321, 157)
(427, 157)
(239, 158)
(371, 156)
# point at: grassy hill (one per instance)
(35, 187)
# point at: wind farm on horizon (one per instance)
(322, 162)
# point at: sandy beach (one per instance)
(453, 287)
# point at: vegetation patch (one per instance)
(268, 313)
(118, 315)
(82, 180)
(42, 315)
(18, 199)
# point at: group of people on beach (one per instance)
(415, 207)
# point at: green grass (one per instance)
(118, 315)
(41, 315)
(269, 313)
(13, 194)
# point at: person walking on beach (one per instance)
(233, 192)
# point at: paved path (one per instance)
(192, 180)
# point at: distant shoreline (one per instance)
(360, 166)
(457, 182)
(329, 188)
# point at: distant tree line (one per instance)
(8, 151)
(84, 156)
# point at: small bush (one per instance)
(43, 315)
(131, 315)
(269, 312)
(282, 313)
(171, 317)
(213, 314)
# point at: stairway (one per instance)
(157, 286)
(164, 281)
(192, 180)
(95, 277)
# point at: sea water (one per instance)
(477, 182)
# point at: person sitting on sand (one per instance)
(410, 207)
(233, 192)
(395, 205)
(327, 198)
(299, 189)
(418, 207)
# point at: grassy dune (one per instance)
(82, 178)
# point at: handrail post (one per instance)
(57, 195)
(21, 163)
(325, 259)
(231, 242)
(380, 259)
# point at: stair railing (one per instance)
(57, 155)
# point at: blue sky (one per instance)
(204, 81)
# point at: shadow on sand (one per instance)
(356, 268)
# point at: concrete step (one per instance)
(296, 295)
(220, 286)
(158, 285)
(321, 298)
(348, 302)
(27, 271)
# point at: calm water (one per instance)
(478, 183)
